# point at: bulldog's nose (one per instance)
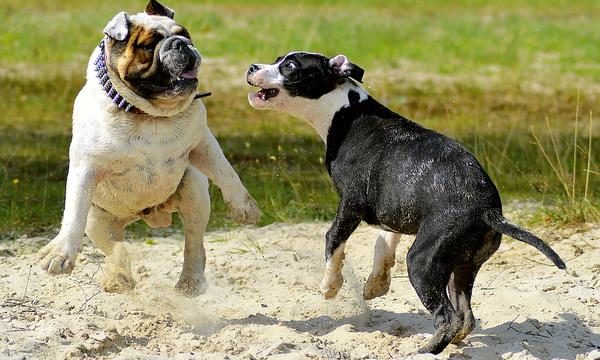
(253, 68)
(179, 43)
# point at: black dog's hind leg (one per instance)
(346, 220)
(460, 286)
(460, 289)
(378, 283)
(429, 270)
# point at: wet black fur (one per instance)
(312, 77)
(392, 172)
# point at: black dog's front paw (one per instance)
(331, 285)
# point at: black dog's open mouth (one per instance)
(266, 94)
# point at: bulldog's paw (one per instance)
(118, 283)
(191, 286)
(245, 211)
(331, 285)
(58, 257)
(377, 285)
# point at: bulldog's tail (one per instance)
(496, 221)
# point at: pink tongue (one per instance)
(192, 74)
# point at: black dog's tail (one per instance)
(496, 221)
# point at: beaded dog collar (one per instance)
(113, 94)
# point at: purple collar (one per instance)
(113, 94)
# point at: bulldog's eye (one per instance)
(149, 47)
(149, 44)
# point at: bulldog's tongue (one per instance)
(191, 74)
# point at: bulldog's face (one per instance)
(298, 76)
(153, 56)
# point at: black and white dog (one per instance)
(395, 174)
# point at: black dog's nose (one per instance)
(253, 68)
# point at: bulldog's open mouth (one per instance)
(266, 94)
(167, 83)
(188, 75)
(153, 87)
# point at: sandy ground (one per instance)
(263, 302)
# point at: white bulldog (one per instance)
(141, 149)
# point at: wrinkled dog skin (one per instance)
(394, 174)
(141, 149)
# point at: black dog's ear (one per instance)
(118, 27)
(156, 8)
(345, 68)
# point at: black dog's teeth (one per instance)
(266, 94)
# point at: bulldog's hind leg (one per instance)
(106, 232)
(378, 283)
(194, 210)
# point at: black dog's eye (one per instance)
(290, 65)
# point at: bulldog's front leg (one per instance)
(58, 256)
(210, 160)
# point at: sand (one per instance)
(263, 302)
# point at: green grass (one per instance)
(487, 73)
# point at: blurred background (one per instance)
(517, 82)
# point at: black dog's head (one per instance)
(298, 75)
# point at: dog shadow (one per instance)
(564, 338)
(375, 320)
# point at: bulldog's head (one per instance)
(151, 60)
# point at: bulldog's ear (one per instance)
(118, 27)
(343, 67)
(156, 8)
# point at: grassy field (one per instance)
(495, 75)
